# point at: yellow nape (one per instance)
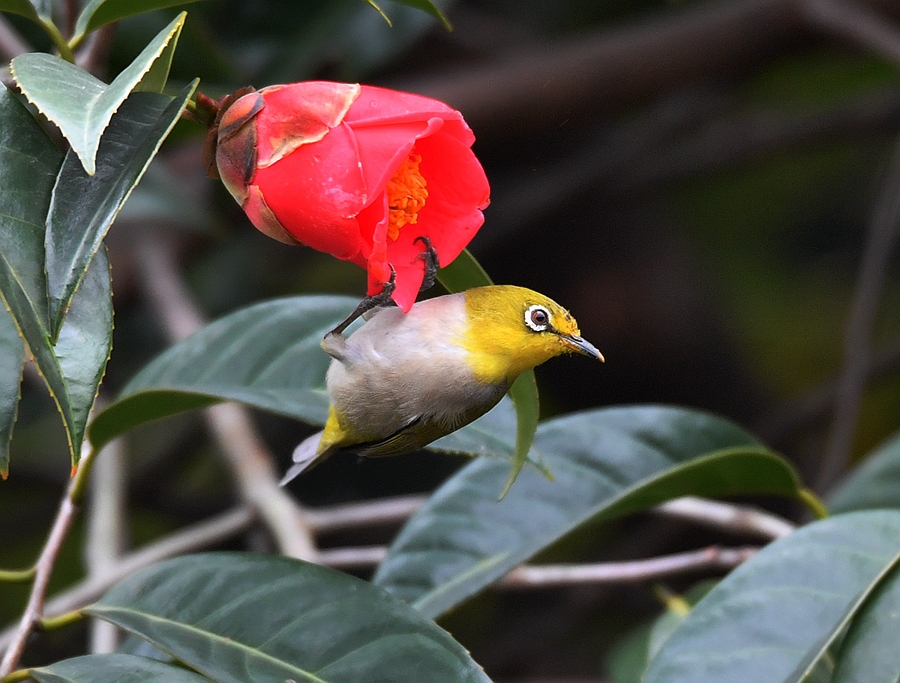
(501, 342)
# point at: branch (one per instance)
(881, 239)
(855, 23)
(711, 558)
(12, 43)
(369, 513)
(105, 539)
(191, 539)
(542, 83)
(251, 464)
(43, 568)
(732, 518)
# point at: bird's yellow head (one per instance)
(512, 329)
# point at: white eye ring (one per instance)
(537, 318)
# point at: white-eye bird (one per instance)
(403, 380)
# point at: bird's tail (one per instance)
(305, 456)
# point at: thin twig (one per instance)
(251, 463)
(881, 238)
(368, 513)
(707, 559)
(191, 539)
(856, 23)
(34, 610)
(732, 518)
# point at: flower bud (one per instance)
(355, 171)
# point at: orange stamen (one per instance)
(406, 195)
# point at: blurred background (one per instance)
(709, 187)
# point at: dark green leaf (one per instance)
(240, 617)
(869, 652)
(492, 435)
(98, 13)
(606, 463)
(462, 274)
(83, 207)
(114, 668)
(873, 484)
(21, 7)
(78, 103)
(267, 356)
(12, 360)
(524, 395)
(431, 8)
(774, 617)
(83, 347)
(28, 166)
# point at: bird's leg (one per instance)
(432, 262)
(383, 298)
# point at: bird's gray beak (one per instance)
(582, 346)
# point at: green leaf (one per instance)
(12, 361)
(775, 616)
(492, 435)
(83, 206)
(28, 166)
(23, 8)
(239, 617)
(431, 8)
(79, 104)
(267, 356)
(869, 652)
(114, 668)
(98, 13)
(873, 484)
(83, 348)
(462, 274)
(606, 462)
(524, 395)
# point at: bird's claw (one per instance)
(383, 298)
(432, 262)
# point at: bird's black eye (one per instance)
(537, 318)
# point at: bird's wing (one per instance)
(415, 434)
(305, 456)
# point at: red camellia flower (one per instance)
(356, 171)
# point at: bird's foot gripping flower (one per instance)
(359, 172)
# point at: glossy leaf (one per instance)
(431, 8)
(241, 617)
(114, 668)
(462, 274)
(873, 484)
(12, 361)
(83, 348)
(83, 207)
(28, 165)
(606, 463)
(869, 652)
(97, 13)
(774, 617)
(267, 356)
(79, 104)
(23, 8)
